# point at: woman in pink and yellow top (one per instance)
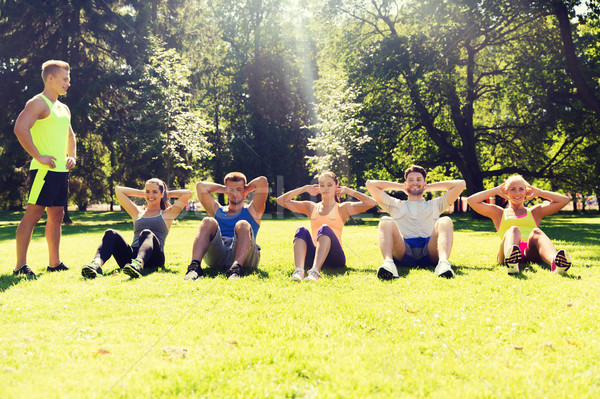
(324, 246)
(518, 226)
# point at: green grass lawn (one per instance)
(483, 334)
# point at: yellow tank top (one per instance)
(525, 223)
(333, 219)
(51, 135)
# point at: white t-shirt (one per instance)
(415, 218)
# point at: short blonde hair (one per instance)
(51, 66)
(513, 178)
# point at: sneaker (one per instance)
(133, 269)
(512, 258)
(298, 275)
(443, 269)
(194, 271)
(387, 270)
(58, 268)
(235, 271)
(24, 271)
(561, 262)
(313, 275)
(91, 270)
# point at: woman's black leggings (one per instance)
(149, 251)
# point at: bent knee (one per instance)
(444, 222)
(208, 222)
(242, 226)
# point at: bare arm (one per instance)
(34, 110)
(494, 212)
(71, 148)
(123, 194)
(260, 186)
(554, 204)
(287, 200)
(377, 189)
(183, 196)
(453, 189)
(205, 189)
(352, 208)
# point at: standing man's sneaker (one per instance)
(443, 269)
(133, 269)
(58, 268)
(235, 271)
(512, 258)
(194, 271)
(91, 270)
(561, 262)
(298, 275)
(24, 271)
(387, 270)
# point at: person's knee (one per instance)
(109, 233)
(535, 234)
(386, 223)
(242, 227)
(444, 223)
(208, 223)
(146, 233)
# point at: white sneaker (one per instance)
(298, 275)
(387, 270)
(561, 262)
(443, 269)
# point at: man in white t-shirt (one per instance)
(414, 234)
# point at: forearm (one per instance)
(290, 195)
(483, 195)
(443, 185)
(207, 187)
(359, 196)
(178, 193)
(26, 141)
(552, 196)
(72, 148)
(130, 192)
(386, 185)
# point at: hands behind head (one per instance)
(531, 192)
(313, 189)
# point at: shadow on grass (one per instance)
(214, 272)
(9, 280)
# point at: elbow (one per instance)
(462, 184)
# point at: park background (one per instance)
(191, 89)
(187, 90)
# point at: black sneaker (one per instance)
(24, 271)
(133, 269)
(235, 271)
(58, 268)
(194, 271)
(91, 270)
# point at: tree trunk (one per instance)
(575, 210)
(587, 95)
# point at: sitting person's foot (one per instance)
(512, 258)
(297, 275)
(133, 269)
(235, 271)
(91, 270)
(58, 268)
(443, 269)
(387, 270)
(561, 262)
(194, 271)
(313, 275)
(24, 271)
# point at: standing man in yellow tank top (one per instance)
(44, 130)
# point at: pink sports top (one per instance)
(333, 219)
(526, 223)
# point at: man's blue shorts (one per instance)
(416, 253)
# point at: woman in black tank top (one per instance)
(151, 226)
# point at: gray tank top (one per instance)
(156, 224)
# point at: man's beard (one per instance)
(416, 191)
(234, 202)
